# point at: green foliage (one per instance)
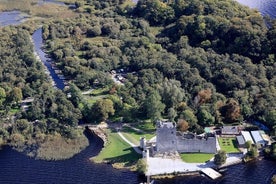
(220, 157)
(155, 11)
(252, 153)
(153, 106)
(205, 118)
(102, 109)
(142, 166)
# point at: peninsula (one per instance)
(194, 79)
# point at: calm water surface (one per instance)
(266, 7)
(12, 18)
(38, 44)
(17, 168)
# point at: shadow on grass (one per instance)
(128, 159)
(235, 144)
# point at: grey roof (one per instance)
(240, 140)
(257, 137)
(247, 137)
(230, 130)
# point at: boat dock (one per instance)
(211, 173)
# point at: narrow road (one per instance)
(135, 147)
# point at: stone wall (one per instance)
(196, 145)
(165, 137)
(168, 140)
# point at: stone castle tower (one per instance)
(166, 137)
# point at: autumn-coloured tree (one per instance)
(203, 96)
(231, 111)
(183, 125)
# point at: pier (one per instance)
(211, 173)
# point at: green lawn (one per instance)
(196, 157)
(134, 136)
(117, 151)
(146, 126)
(228, 144)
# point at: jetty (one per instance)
(211, 173)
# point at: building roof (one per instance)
(240, 140)
(233, 130)
(247, 137)
(257, 137)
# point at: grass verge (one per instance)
(134, 136)
(196, 157)
(117, 151)
(228, 144)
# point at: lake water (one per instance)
(12, 18)
(266, 7)
(38, 44)
(17, 168)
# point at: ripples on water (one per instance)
(16, 168)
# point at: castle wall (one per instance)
(196, 145)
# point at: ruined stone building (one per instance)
(169, 140)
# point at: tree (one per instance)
(102, 109)
(16, 94)
(231, 111)
(190, 117)
(205, 118)
(2, 96)
(142, 166)
(203, 96)
(76, 96)
(220, 157)
(252, 152)
(172, 114)
(271, 118)
(153, 106)
(182, 125)
(248, 144)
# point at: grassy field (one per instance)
(134, 136)
(145, 126)
(196, 157)
(117, 151)
(228, 144)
